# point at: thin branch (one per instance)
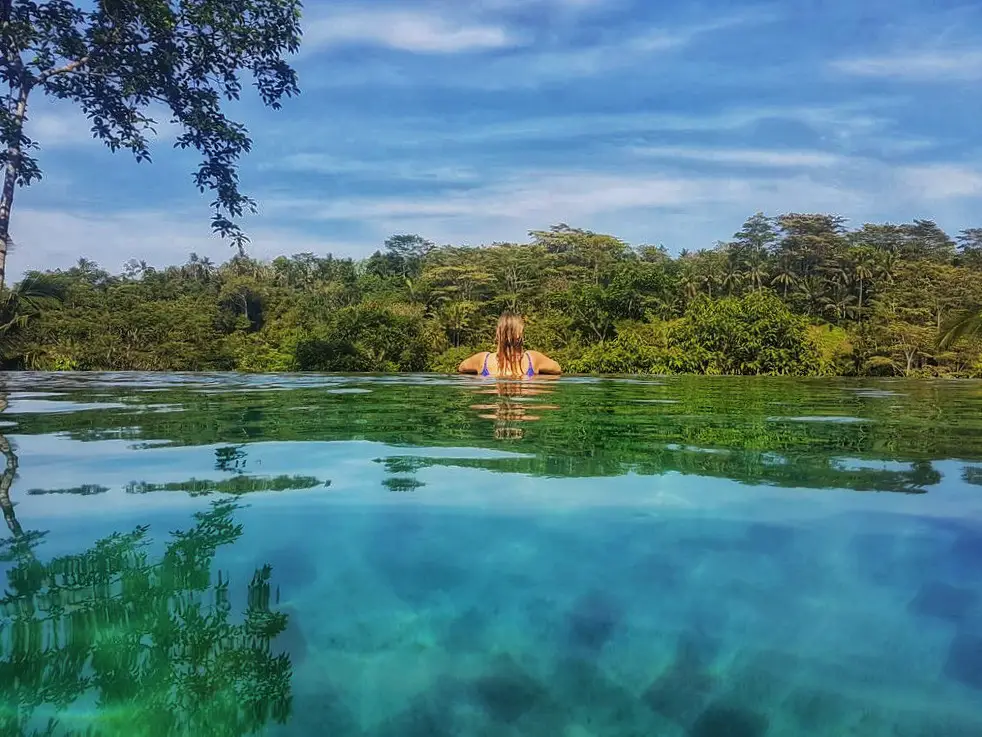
(67, 69)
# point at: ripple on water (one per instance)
(838, 419)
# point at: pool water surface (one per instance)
(226, 555)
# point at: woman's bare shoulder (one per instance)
(472, 364)
(543, 364)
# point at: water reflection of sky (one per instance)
(54, 462)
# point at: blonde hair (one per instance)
(510, 335)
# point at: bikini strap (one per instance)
(531, 371)
(484, 371)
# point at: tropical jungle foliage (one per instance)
(797, 294)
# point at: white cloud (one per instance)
(942, 181)
(536, 66)
(51, 239)
(563, 4)
(554, 196)
(680, 210)
(415, 31)
(745, 156)
(844, 121)
(53, 129)
(537, 59)
(962, 65)
(321, 163)
(61, 125)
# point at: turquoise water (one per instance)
(308, 555)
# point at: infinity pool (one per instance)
(424, 556)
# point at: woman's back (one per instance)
(532, 363)
(509, 359)
(526, 365)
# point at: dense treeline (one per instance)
(796, 294)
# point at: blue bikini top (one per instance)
(530, 373)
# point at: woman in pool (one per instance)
(510, 359)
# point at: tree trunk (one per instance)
(11, 170)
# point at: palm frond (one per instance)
(965, 324)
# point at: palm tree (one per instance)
(688, 284)
(732, 277)
(841, 302)
(885, 265)
(812, 288)
(756, 271)
(863, 268)
(22, 305)
(965, 324)
(784, 276)
(708, 271)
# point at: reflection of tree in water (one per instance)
(402, 470)
(509, 410)
(7, 478)
(152, 642)
(235, 485)
(753, 431)
(230, 459)
(972, 475)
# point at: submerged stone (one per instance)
(815, 709)
(944, 601)
(420, 719)
(292, 640)
(590, 697)
(964, 662)
(680, 693)
(729, 721)
(293, 569)
(592, 622)
(507, 692)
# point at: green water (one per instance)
(306, 555)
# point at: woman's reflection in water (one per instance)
(514, 399)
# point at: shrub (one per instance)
(639, 348)
(755, 334)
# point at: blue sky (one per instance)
(473, 122)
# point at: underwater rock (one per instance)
(592, 621)
(944, 601)
(967, 548)
(466, 632)
(875, 556)
(293, 569)
(681, 691)
(729, 721)
(417, 582)
(588, 696)
(319, 711)
(507, 692)
(660, 571)
(815, 709)
(964, 663)
(422, 718)
(291, 640)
